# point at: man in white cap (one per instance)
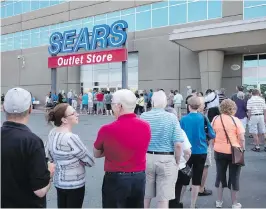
(25, 175)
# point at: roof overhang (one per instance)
(241, 36)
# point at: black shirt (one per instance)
(24, 167)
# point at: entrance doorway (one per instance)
(254, 72)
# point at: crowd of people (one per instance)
(169, 151)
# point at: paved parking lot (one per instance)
(253, 176)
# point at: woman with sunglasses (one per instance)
(70, 155)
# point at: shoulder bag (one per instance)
(237, 152)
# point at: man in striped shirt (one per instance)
(257, 118)
(163, 153)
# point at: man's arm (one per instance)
(98, 153)
(187, 154)
(249, 114)
(98, 150)
(178, 139)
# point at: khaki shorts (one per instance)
(161, 176)
(256, 124)
(209, 157)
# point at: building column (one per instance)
(211, 66)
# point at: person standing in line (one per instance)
(100, 97)
(194, 126)
(145, 100)
(241, 112)
(70, 155)
(141, 103)
(95, 102)
(170, 99)
(80, 102)
(226, 122)
(221, 95)
(26, 175)
(182, 180)
(211, 104)
(164, 152)
(203, 191)
(90, 103)
(193, 93)
(69, 97)
(257, 118)
(108, 101)
(149, 99)
(136, 111)
(178, 98)
(85, 102)
(124, 144)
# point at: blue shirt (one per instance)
(193, 125)
(165, 130)
(85, 99)
(150, 96)
(55, 97)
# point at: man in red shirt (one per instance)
(124, 144)
(100, 97)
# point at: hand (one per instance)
(51, 168)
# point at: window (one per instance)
(160, 17)
(130, 19)
(160, 5)
(17, 41)
(214, 9)
(54, 2)
(176, 2)
(17, 8)
(143, 20)
(44, 4)
(252, 3)
(35, 37)
(35, 5)
(9, 9)
(197, 11)
(143, 8)
(26, 6)
(255, 12)
(110, 21)
(10, 43)
(128, 11)
(113, 14)
(26, 43)
(3, 10)
(178, 14)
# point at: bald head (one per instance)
(126, 98)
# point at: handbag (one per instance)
(237, 152)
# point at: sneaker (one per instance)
(206, 192)
(256, 149)
(219, 204)
(237, 205)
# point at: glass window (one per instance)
(214, 9)
(17, 7)
(100, 17)
(262, 60)
(178, 14)
(115, 77)
(44, 36)
(3, 11)
(130, 19)
(160, 5)
(26, 6)
(255, 12)
(143, 20)
(35, 5)
(197, 11)
(100, 22)
(175, 2)
(10, 44)
(25, 40)
(253, 3)
(17, 41)
(35, 37)
(251, 61)
(101, 76)
(54, 2)
(113, 14)
(44, 4)
(3, 43)
(112, 20)
(9, 9)
(160, 17)
(143, 8)
(128, 11)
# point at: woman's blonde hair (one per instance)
(228, 107)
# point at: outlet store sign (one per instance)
(102, 37)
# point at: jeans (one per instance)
(70, 198)
(123, 190)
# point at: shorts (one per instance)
(223, 161)
(197, 162)
(85, 106)
(256, 124)
(161, 176)
(108, 107)
(209, 157)
(99, 105)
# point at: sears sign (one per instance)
(102, 36)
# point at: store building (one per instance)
(171, 44)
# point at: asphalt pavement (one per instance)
(252, 180)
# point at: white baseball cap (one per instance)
(17, 100)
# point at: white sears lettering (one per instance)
(93, 58)
(60, 61)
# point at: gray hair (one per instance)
(159, 99)
(171, 110)
(241, 95)
(222, 90)
(126, 98)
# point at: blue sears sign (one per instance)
(102, 36)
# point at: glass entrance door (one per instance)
(254, 72)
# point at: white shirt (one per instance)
(69, 95)
(90, 97)
(185, 145)
(178, 98)
(214, 103)
(256, 105)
